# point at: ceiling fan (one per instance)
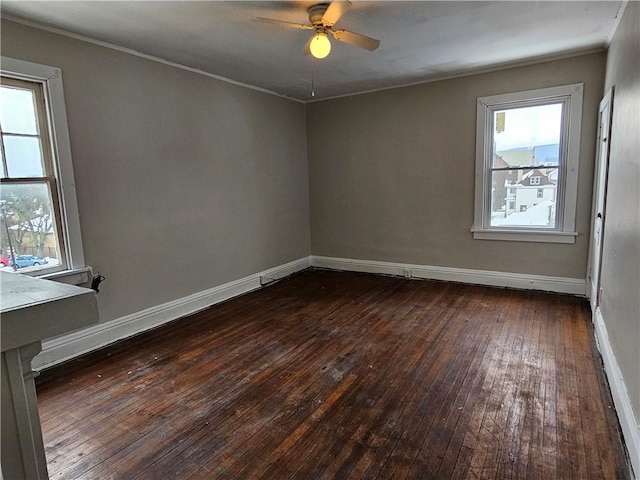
(323, 17)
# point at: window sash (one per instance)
(568, 175)
(50, 184)
(56, 112)
(48, 178)
(42, 124)
(490, 129)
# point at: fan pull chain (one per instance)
(313, 90)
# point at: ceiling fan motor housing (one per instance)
(323, 17)
(316, 12)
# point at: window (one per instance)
(39, 231)
(525, 141)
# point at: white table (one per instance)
(31, 309)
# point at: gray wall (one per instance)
(184, 182)
(392, 173)
(620, 303)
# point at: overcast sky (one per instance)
(529, 127)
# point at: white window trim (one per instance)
(565, 231)
(51, 79)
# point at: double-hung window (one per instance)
(527, 154)
(39, 231)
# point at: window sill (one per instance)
(536, 236)
(77, 276)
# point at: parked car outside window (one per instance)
(28, 261)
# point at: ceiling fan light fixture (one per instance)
(320, 45)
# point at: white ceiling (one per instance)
(420, 41)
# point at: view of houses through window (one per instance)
(525, 167)
(28, 197)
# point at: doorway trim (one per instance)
(598, 210)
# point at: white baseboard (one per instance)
(619, 392)
(573, 286)
(63, 348)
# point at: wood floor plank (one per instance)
(484, 461)
(274, 456)
(514, 435)
(438, 427)
(530, 462)
(456, 459)
(334, 375)
(372, 371)
(417, 399)
(476, 430)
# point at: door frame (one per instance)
(600, 180)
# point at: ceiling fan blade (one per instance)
(335, 10)
(300, 26)
(356, 39)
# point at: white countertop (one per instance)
(33, 309)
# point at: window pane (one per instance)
(17, 111)
(524, 198)
(24, 156)
(27, 216)
(528, 136)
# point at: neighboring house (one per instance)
(534, 187)
(500, 183)
(535, 178)
(512, 194)
(516, 191)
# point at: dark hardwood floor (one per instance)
(342, 375)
